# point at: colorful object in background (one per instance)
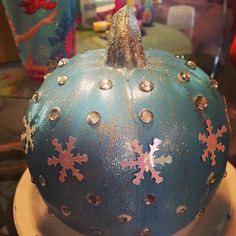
(32, 6)
(118, 5)
(88, 13)
(131, 4)
(148, 13)
(64, 38)
(152, 130)
(105, 10)
(182, 17)
(233, 52)
(101, 26)
(78, 17)
(139, 9)
(44, 32)
(14, 81)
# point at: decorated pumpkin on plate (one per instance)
(126, 142)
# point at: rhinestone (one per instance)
(211, 179)
(149, 199)
(62, 79)
(93, 199)
(97, 231)
(93, 118)
(145, 232)
(181, 210)
(183, 76)
(65, 210)
(214, 83)
(225, 174)
(146, 86)
(46, 76)
(105, 84)
(146, 116)
(191, 65)
(36, 97)
(180, 56)
(42, 181)
(54, 114)
(200, 102)
(63, 62)
(51, 212)
(124, 218)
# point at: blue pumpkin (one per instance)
(127, 142)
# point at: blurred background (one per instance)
(36, 34)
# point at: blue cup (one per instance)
(44, 32)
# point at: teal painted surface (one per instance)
(177, 123)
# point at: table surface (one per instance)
(31, 216)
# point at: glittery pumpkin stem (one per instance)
(125, 49)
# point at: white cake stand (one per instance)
(32, 219)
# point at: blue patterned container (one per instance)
(44, 32)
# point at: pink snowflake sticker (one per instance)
(146, 161)
(67, 160)
(211, 142)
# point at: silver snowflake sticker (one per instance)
(146, 162)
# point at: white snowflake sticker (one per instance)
(28, 134)
(66, 160)
(146, 161)
(212, 143)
